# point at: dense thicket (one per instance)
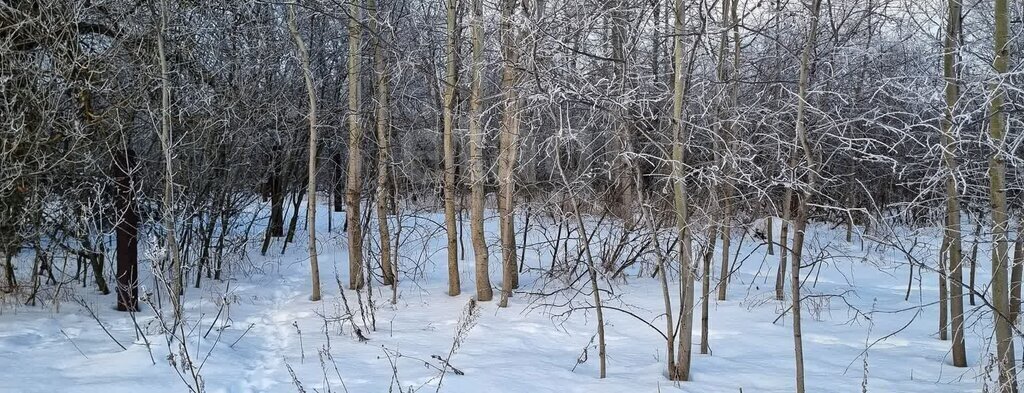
(575, 102)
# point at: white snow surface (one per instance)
(857, 326)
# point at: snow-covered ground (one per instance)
(269, 336)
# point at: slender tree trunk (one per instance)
(952, 233)
(680, 202)
(705, 298)
(1015, 275)
(127, 234)
(728, 75)
(307, 74)
(997, 193)
(167, 142)
(508, 149)
(804, 200)
(670, 326)
(784, 247)
(339, 184)
(591, 266)
(383, 120)
(974, 257)
(622, 142)
(454, 287)
(723, 278)
(799, 226)
(353, 189)
(276, 196)
(476, 159)
(943, 290)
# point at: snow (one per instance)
(270, 326)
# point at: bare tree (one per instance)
(167, 142)
(997, 195)
(680, 200)
(451, 76)
(807, 193)
(353, 190)
(382, 78)
(508, 146)
(307, 75)
(476, 149)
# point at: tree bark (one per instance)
(307, 75)
(952, 232)
(454, 286)
(508, 150)
(167, 142)
(680, 203)
(353, 189)
(997, 196)
(1015, 276)
(729, 76)
(127, 233)
(476, 159)
(383, 123)
(803, 208)
(943, 290)
(705, 291)
(784, 247)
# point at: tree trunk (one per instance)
(276, 196)
(804, 201)
(454, 287)
(974, 257)
(784, 247)
(591, 266)
(680, 202)
(127, 233)
(705, 291)
(166, 142)
(1015, 276)
(383, 118)
(476, 160)
(339, 184)
(952, 232)
(799, 226)
(307, 75)
(622, 143)
(997, 193)
(729, 76)
(353, 189)
(943, 291)
(508, 142)
(670, 325)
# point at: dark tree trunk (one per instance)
(276, 206)
(97, 258)
(276, 188)
(127, 229)
(339, 185)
